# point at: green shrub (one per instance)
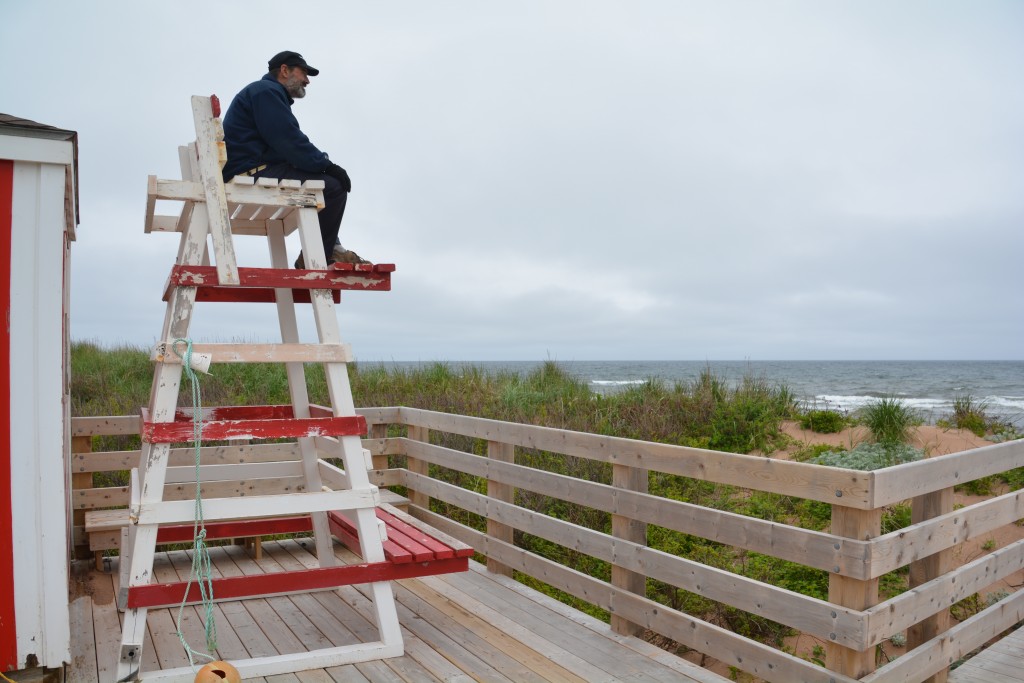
(1014, 478)
(896, 517)
(823, 421)
(812, 451)
(967, 608)
(870, 456)
(813, 514)
(1002, 431)
(743, 419)
(893, 583)
(978, 487)
(785, 574)
(889, 420)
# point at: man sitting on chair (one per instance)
(263, 140)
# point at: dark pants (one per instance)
(334, 201)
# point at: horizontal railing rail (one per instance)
(824, 484)
(914, 479)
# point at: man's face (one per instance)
(294, 79)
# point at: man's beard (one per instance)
(295, 88)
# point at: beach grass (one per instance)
(707, 412)
(969, 414)
(889, 420)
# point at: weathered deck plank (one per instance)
(549, 625)
(474, 633)
(648, 650)
(83, 661)
(348, 673)
(974, 673)
(457, 627)
(1001, 663)
(106, 624)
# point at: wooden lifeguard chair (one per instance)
(332, 501)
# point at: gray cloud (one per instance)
(772, 180)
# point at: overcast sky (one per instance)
(580, 180)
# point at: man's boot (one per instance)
(343, 255)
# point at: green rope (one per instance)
(201, 567)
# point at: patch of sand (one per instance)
(934, 440)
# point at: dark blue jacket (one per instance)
(260, 128)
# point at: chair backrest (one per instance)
(212, 155)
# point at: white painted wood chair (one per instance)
(313, 494)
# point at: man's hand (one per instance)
(339, 174)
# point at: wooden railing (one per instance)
(852, 622)
(92, 490)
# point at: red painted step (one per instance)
(250, 422)
(258, 284)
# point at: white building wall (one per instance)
(38, 417)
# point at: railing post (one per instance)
(418, 466)
(628, 529)
(81, 480)
(854, 593)
(500, 452)
(379, 431)
(921, 571)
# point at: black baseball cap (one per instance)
(291, 59)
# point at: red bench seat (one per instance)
(413, 549)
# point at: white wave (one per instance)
(1006, 402)
(929, 408)
(616, 382)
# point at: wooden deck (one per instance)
(1001, 663)
(471, 626)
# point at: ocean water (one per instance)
(929, 387)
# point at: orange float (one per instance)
(218, 672)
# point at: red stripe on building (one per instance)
(8, 629)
